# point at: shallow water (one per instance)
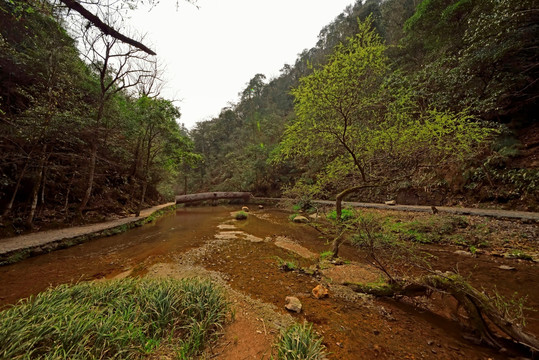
(105, 257)
(352, 330)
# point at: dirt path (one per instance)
(499, 214)
(18, 247)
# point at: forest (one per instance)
(426, 102)
(85, 133)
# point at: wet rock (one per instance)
(293, 304)
(506, 267)
(320, 292)
(245, 208)
(260, 207)
(300, 219)
(390, 202)
(463, 253)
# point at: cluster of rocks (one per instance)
(293, 304)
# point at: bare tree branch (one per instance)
(106, 29)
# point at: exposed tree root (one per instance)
(479, 307)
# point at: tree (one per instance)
(160, 138)
(366, 132)
(118, 69)
(475, 54)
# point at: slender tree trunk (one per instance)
(9, 206)
(43, 185)
(144, 187)
(91, 175)
(35, 190)
(338, 209)
(93, 155)
(146, 173)
(134, 169)
(66, 203)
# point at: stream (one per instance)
(353, 328)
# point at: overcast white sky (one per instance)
(210, 53)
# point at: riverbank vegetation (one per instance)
(123, 319)
(396, 245)
(300, 342)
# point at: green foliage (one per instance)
(299, 342)
(346, 215)
(519, 254)
(363, 128)
(127, 318)
(326, 255)
(433, 229)
(57, 112)
(287, 265)
(511, 308)
(241, 215)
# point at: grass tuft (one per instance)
(241, 215)
(299, 342)
(122, 319)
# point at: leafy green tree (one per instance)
(163, 146)
(474, 54)
(366, 132)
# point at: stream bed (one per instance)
(354, 327)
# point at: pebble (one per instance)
(506, 267)
(464, 253)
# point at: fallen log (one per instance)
(478, 306)
(180, 199)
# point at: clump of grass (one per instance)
(293, 216)
(123, 319)
(241, 215)
(519, 254)
(287, 265)
(428, 230)
(299, 342)
(326, 255)
(346, 214)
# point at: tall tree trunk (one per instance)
(43, 185)
(35, 189)
(134, 169)
(66, 203)
(91, 175)
(93, 156)
(144, 187)
(146, 173)
(9, 206)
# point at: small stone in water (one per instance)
(506, 267)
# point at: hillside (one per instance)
(442, 53)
